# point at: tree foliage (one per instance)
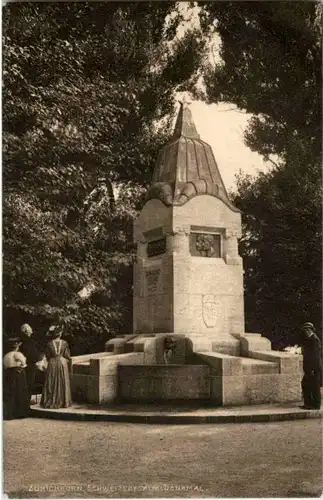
(281, 251)
(88, 91)
(270, 66)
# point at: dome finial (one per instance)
(186, 166)
(184, 102)
(185, 127)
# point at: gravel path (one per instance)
(56, 459)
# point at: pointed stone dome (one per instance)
(186, 166)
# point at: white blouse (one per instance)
(13, 359)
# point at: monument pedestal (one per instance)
(188, 278)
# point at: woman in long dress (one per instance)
(15, 390)
(57, 388)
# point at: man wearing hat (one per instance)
(31, 351)
(312, 366)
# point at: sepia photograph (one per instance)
(162, 249)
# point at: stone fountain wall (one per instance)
(146, 375)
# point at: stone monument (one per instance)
(188, 340)
(188, 278)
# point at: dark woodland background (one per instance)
(89, 89)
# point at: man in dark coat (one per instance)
(312, 367)
(32, 353)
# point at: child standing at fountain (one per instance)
(57, 387)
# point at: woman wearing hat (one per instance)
(15, 391)
(57, 389)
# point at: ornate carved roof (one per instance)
(186, 166)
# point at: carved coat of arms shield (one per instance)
(211, 310)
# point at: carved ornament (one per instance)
(232, 233)
(166, 192)
(182, 230)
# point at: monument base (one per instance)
(138, 368)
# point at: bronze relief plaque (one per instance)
(205, 245)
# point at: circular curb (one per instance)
(172, 418)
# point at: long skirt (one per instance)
(57, 388)
(15, 394)
(30, 377)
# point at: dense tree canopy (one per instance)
(281, 250)
(88, 91)
(270, 66)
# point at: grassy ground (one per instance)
(56, 459)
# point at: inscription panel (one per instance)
(212, 310)
(152, 281)
(157, 247)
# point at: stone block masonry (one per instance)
(163, 383)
